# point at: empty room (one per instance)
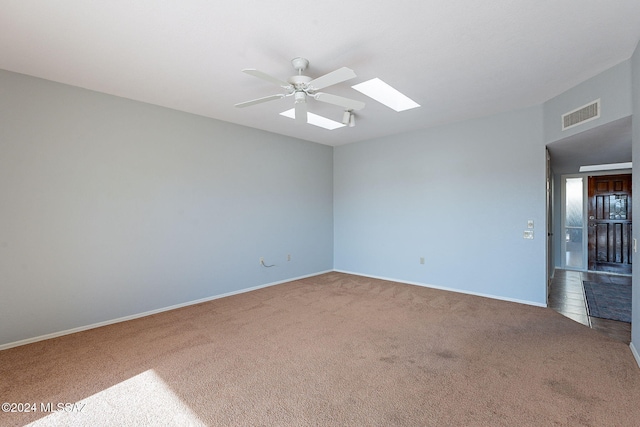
(301, 213)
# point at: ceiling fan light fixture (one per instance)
(346, 117)
(385, 94)
(349, 119)
(300, 97)
(314, 119)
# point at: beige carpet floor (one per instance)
(331, 350)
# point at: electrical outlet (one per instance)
(421, 260)
(288, 257)
(261, 261)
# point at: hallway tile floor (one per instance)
(566, 296)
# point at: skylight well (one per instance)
(314, 119)
(385, 94)
(606, 167)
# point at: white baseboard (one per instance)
(149, 313)
(444, 288)
(635, 353)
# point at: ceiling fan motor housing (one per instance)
(299, 82)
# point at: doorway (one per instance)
(596, 252)
(605, 145)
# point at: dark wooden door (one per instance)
(610, 223)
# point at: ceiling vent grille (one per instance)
(581, 115)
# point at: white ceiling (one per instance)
(458, 59)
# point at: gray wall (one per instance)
(610, 86)
(112, 208)
(457, 195)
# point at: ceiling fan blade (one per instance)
(267, 77)
(301, 112)
(346, 103)
(338, 76)
(259, 100)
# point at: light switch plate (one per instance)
(528, 234)
(530, 223)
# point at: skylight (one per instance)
(385, 94)
(314, 119)
(606, 167)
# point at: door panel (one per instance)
(610, 223)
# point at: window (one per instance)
(574, 223)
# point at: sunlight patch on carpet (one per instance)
(141, 400)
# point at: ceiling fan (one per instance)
(302, 87)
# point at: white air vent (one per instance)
(581, 115)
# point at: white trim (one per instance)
(444, 288)
(149, 313)
(635, 353)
